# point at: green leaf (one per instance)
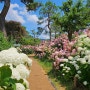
(5, 72)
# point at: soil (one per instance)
(38, 78)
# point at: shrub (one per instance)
(4, 43)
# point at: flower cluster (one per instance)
(62, 49)
(79, 64)
(18, 63)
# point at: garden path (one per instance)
(38, 78)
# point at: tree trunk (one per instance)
(3, 15)
(70, 35)
(49, 28)
(55, 34)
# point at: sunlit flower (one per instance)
(64, 60)
(79, 72)
(70, 58)
(24, 72)
(79, 49)
(61, 65)
(15, 74)
(20, 86)
(85, 83)
(83, 61)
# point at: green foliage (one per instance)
(29, 41)
(27, 51)
(66, 74)
(6, 82)
(75, 16)
(33, 6)
(4, 43)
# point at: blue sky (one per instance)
(29, 19)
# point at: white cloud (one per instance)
(44, 36)
(29, 15)
(32, 18)
(13, 14)
(20, 14)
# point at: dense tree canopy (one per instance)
(75, 16)
(15, 29)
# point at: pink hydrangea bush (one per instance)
(79, 65)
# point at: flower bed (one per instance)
(13, 70)
(71, 59)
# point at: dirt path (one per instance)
(38, 78)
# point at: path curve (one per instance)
(38, 78)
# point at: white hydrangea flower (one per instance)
(74, 62)
(86, 41)
(82, 36)
(64, 60)
(63, 74)
(68, 69)
(1, 64)
(20, 86)
(89, 61)
(29, 62)
(83, 61)
(76, 66)
(87, 52)
(15, 74)
(24, 72)
(61, 65)
(79, 72)
(12, 56)
(76, 57)
(70, 58)
(64, 69)
(80, 43)
(79, 49)
(85, 83)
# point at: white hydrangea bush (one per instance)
(79, 64)
(20, 65)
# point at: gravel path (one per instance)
(38, 78)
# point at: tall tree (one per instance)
(46, 12)
(74, 16)
(6, 8)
